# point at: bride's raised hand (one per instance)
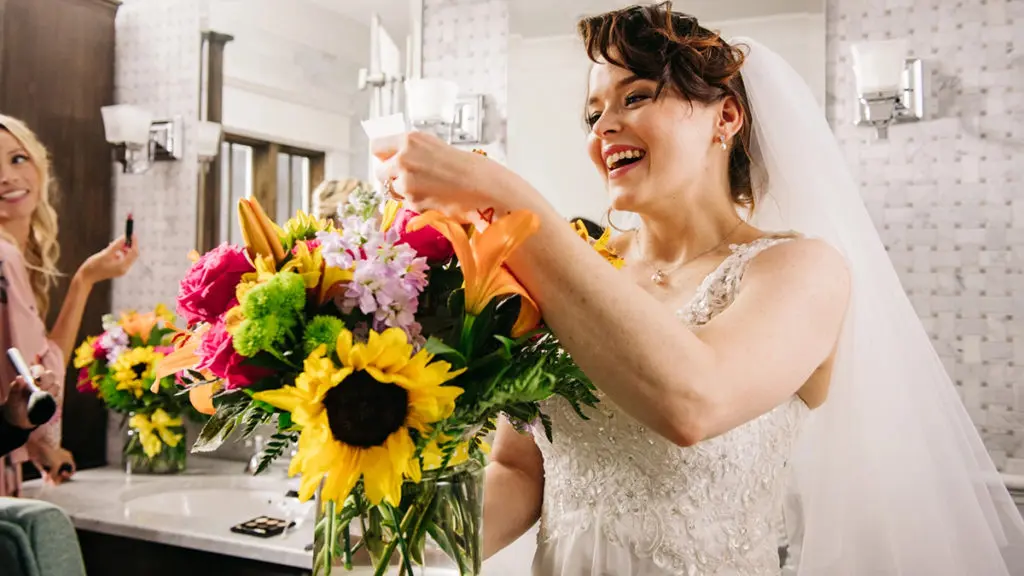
(427, 173)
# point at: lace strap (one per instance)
(743, 254)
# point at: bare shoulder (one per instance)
(806, 266)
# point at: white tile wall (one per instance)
(157, 67)
(948, 194)
(466, 41)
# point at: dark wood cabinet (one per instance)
(56, 71)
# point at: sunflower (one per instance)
(356, 414)
(135, 368)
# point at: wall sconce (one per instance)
(208, 137)
(434, 105)
(890, 86)
(138, 140)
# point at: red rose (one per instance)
(85, 384)
(426, 241)
(208, 290)
(217, 354)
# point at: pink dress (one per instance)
(29, 334)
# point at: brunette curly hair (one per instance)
(656, 43)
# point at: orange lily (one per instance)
(141, 325)
(185, 357)
(483, 257)
(262, 237)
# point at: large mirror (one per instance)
(295, 79)
(547, 81)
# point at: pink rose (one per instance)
(426, 241)
(311, 245)
(98, 351)
(208, 290)
(217, 354)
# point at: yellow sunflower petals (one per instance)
(288, 398)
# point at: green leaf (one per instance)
(263, 360)
(216, 431)
(284, 421)
(439, 348)
(274, 449)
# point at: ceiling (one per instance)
(531, 18)
(394, 14)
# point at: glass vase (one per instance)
(435, 530)
(169, 459)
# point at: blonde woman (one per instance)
(331, 196)
(28, 262)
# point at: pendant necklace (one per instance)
(660, 275)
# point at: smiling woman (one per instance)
(28, 265)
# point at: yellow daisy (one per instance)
(135, 368)
(601, 244)
(356, 416)
(85, 354)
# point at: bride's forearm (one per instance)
(512, 502)
(618, 334)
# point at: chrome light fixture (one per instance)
(890, 86)
(138, 140)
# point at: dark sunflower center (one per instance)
(139, 369)
(363, 412)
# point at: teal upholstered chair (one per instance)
(37, 539)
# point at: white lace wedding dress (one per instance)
(620, 500)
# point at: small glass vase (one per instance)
(436, 529)
(170, 459)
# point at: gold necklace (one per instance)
(660, 275)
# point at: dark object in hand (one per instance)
(41, 404)
(129, 228)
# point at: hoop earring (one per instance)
(608, 218)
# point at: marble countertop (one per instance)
(194, 510)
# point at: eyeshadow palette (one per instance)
(262, 526)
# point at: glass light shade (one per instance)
(431, 99)
(208, 139)
(879, 65)
(126, 124)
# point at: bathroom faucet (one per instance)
(257, 443)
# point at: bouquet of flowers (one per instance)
(119, 366)
(384, 348)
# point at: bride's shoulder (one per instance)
(790, 257)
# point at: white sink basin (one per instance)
(208, 502)
(226, 499)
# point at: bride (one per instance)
(756, 354)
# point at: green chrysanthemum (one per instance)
(272, 311)
(322, 330)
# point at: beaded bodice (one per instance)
(710, 509)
